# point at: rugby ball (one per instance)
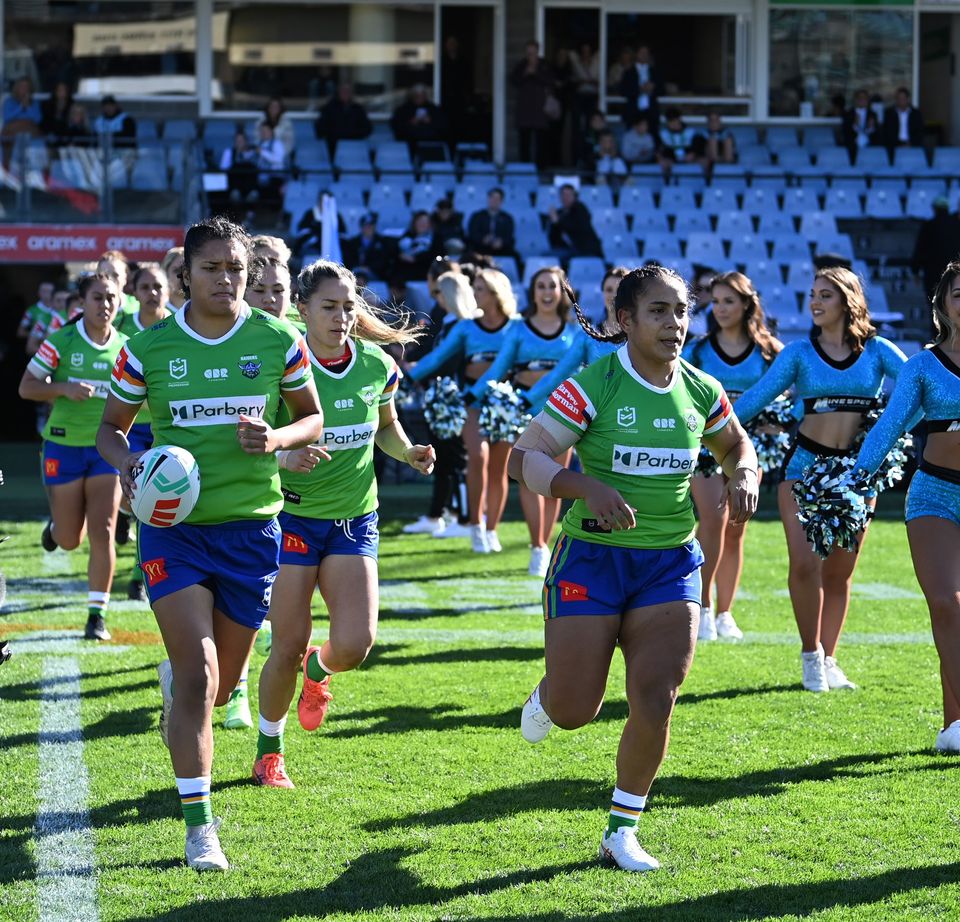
(166, 486)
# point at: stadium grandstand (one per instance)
(124, 122)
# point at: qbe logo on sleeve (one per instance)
(216, 411)
(646, 462)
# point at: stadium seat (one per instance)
(788, 248)
(649, 220)
(769, 287)
(508, 266)
(771, 178)
(351, 189)
(440, 172)
(759, 268)
(595, 197)
(609, 222)
(920, 203)
(814, 182)
(626, 257)
(681, 265)
(689, 175)
(647, 174)
(729, 176)
(843, 204)
(745, 247)
(733, 223)
(839, 244)
(877, 300)
(774, 224)
(677, 198)
(617, 243)
(753, 155)
(892, 185)
(352, 215)
(426, 195)
(946, 161)
(147, 130)
(814, 224)
(526, 216)
(586, 271)
(817, 136)
(705, 248)
(547, 197)
(831, 158)
(792, 158)
(393, 219)
(386, 195)
(800, 274)
(780, 136)
(352, 156)
(718, 199)
(634, 199)
(690, 220)
(531, 241)
(149, 172)
(519, 185)
(181, 129)
(870, 157)
(393, 155)
(519, 168)
(744, 135)
(856, 185)
(468, 197)
(758, 200)
(883, 205)
(659, 246)
(312, 154)
(533, 264)
(592, 304)
(932, 184)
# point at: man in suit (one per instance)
(491, 231)
(370, 249)
(859, 124)
(571, 228)
(343, 118)
(902, 123)
(640, 85)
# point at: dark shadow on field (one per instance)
(373, 881)
(774, 900)
(389, 654)
(14, 607)
(31, 691)
(487, 573)
(117, 723)
(407, 719)
(421, 614)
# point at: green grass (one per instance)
(419, 800)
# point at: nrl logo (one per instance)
(178, 368)
(249, 369)
(627, 416)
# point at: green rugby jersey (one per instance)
(199, 387)
(70, 355)
(345, 486)
(643, 441)
(130, 325)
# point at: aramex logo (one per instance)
(645, 462)
(216, 411)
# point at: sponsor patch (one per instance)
(178, 369)
(51, 466)
(250, 369)
(290, 496)
(573, 592)
(627, 416)
(569, 401)
(216, 411)
(294, 544)
(155, 570)
(645, 462)
(338, 438)
(58, 430)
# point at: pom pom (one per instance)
(502, 415)
(771, 448)
(779, 413)
(443, 408)
(891, 470)
(831, 512)
(409, 397)
(706, 464)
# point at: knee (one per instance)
(653, 704)
(286, 656)
(944, 609)
(351, 655)
(197, 684)
(67, 542)
(836, 584)
(805, 570)
(570, 713)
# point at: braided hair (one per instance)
(632, 287)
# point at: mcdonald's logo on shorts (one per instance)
(294, 544)
(51, 467)
(572, 592)
(155, 570)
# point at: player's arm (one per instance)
(37, 382)
(532, 465)
(258, 437)
(735, 454)
(118, 417)
(392, 440)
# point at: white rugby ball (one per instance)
(167, 486)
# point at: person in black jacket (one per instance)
(571, 230)
(641, 86)
(902, 123)
(370, 249)
(418, 120)
(860, 124)
(342, 119)
(938, 242)
(491, 231)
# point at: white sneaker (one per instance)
(622, 849)
(203, 849)
(535, 724)
(835, 676)
(708, 625)
(165, 672)
(727, 627)
(493, 542)
(424, 526)
(453, 530)
(539, 561)
(814, 671)
(948, 739)
(478, 540)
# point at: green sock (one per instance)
(625, 809)
(270, 737)
(195, 800)
(315, 669)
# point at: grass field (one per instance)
(418, 799)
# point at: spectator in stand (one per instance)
(641, 86)
(115, 123)
(860, 124)
(585, 67)
(342, 119)
(78, 131)
(938, 242)
(275, 116)
(448, 233)
(370, 250)
(239, 162)
(638, 145)
(21, 112)
(415, 248)
(56, 113)
(610, 169)
(534, 83)
(571, 230)
(619, 67)
(677, 141)
(718, 144)
(701, 311)
(271, 160)
(418, 121)
(491, 231)
(902, 123)
(590, 141)
(310, 227)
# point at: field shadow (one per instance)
(390, 654)
(417, 613)
(408, 719)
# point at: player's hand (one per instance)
(303, 460)
(743, 491)
(609, 508)
(255, 436)
(129, 469)
(78, 390)
(420, 457)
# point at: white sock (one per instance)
(627, 806)
(272, 727)
(720, 614)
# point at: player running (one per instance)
(838, 373)
(214, 374)
(329, 521)
(72, 369)
(625, 570)
(738, 353)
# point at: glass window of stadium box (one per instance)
(820, 57)
(301, 52)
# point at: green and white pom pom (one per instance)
(444, 409)
(502, 414)
(830, 510)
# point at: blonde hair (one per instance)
(946, 329)
(264, 242)
(856, 314)
(500, 288)
(369, 325)
(458, 295)
(753, 323)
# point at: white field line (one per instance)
(61, 642)
(66, 885)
